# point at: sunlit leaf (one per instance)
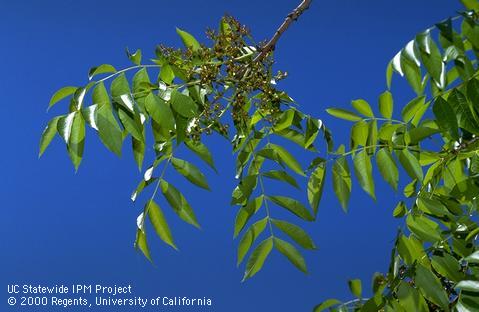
(48, 134)
(364, 172)
(190, 171)
(178, 203)
(188, 40)
(293, 206)
(249, 238)
(290, 252)
(257, 258)
(387, 167)
(295, 233)
(102, 69)
(159, 223)
(386, 104)
(362, 107)
(61, 94)
(343, 114)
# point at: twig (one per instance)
(294, 15)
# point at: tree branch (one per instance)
(294, 15)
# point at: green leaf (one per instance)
(285, 120)
(138, 151)
(471, 4)
(102, 69)
(359, 134)
(387, 167)
(258, 257)
(281, 175)
(190, 172)
(411, 108)
(76, 138)
(326, 304)
(161, 113)
(245, 213)
(424, 228)
(166, 74)
(131, 125)
(178, 203)
(410, 189)
(355, 287)
(315, 186)
(411, 69)
(244, 189)
(447, 266)
(249, 238)
(473, 258)
(432, 206)
(293, 206)
(134, 57)
(188, 40)
(465, 116)
(202, 151)
(61, 94)
(287, 158)
(295, 233)
(108, 129)
(472, 286)
(446, 117)
(142, 244)
(293, 255)
(312, 131)
(411, 250)
(183, 104)
(364, 172)
(410, 163)
(400, 210)
(363, 107)
(100, 95)
(430, 286)
(386, 104)
(410, 299)
(48, 134)
(372, 137)
(431, 58)
(159, 223)
(343, 114)
(389, 74)
(342, 180)
(120, 92)
(141, 83)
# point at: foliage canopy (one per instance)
(229, 88)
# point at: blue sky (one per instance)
(59, 227)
